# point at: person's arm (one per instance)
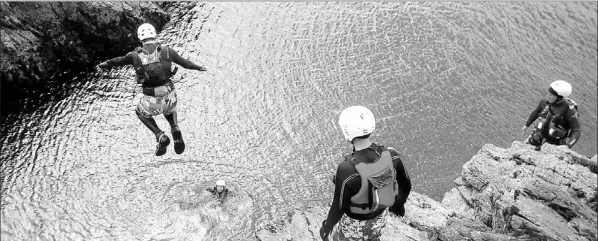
(345, 172)
(534, 115)
(402, 176)
(118, 61)
(224, 195)
(185, 63)
(404, 181)
(574, 126)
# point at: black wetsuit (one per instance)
(150, 48)
(148, 87)
(352, 185)
(560, 113)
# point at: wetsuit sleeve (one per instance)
(120, 61)
(574, 126)
(185, 63)
(534, 115)
(342, 195)
(402, 176)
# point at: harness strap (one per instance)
(167, 53)
(362, 205)
(370, 194)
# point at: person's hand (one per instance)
(324, 232)
(201, 68)
(102, 65)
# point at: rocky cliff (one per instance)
(503, 194)
(41, 40)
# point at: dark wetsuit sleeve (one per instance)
(402, 177)
(342, 195)
(534, 115)
(185, 63)
(119, 61)
(574, 127)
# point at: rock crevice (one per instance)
(515, 193)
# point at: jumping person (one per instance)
(152, 63)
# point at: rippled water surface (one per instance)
(443, 79)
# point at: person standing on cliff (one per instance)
(370, 182)
(559, 119)
(152, 63)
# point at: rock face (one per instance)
(503, 194)
(44, 39)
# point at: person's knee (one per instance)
(142, 114)
(536, 139)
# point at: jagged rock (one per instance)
(44, 39)
(550, 191)
(503, 194)
(305, 225)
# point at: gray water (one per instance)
(443, 79)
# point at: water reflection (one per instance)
(442, 78)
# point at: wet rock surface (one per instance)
(42, 40)
(515, 193)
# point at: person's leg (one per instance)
(352, 229)
(536, 139)
(150, 123)
(170, 114)
(144, 111)
(554, 142)
(173, 121)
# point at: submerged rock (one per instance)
(503, 194)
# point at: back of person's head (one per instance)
(356, 122)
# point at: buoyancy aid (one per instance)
(150, 69)
(379, 186)
(552, 122)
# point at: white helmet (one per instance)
(146, 31)
(356, 121)
(220, 183)
(561, 87)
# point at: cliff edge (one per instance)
(515, 193)
(43, 40)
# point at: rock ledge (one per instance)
(503, 194)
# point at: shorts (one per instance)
(353, 229)
(149, 106)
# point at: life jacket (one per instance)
(553, 124)
(150, 69)
(379, 186)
